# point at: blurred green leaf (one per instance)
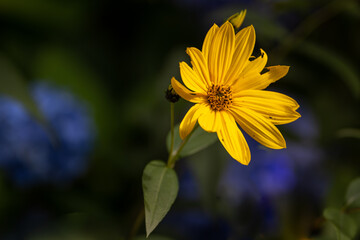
(197, 142)
(352, 7)
(65, 68)
(59, 14)
(335, 63)
(322, 238)
(160, 187)
(207, 167)
(70, 236)
(13, 85)
(344, 224)
(266, 27)
(349, 132)
(352, 196)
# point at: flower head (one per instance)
(227, 86)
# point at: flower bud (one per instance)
(237, 19)
(171, 95)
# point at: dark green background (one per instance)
(119, 56)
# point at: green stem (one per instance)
(347, 209)
(140, 218)
(137, 223)
(171, 130)
(174, 156)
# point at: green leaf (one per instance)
(153, 237)
(160, 187)
(352, 196)
(197, 142)
(344, 224)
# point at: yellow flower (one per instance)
(227, 86)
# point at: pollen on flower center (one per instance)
(219, 97)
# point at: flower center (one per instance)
(219, 97)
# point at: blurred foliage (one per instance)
(119, 57)
(14, 85)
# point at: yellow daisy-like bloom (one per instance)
(227, 86)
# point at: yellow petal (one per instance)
(191, 79)
(276, 107)
(258, 127)
(269, 96)
(260, 81)
(190, 119)
(208, 41)
(199, 64)
(186, 93)
(244, 45)
(210, 120)
(221, 52)
(233, 140)
(256, 65)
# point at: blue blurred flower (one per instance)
(274, 175)
(271, 173)
(276, 172)
(31, 153)
(188, 186)
(306, 128)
